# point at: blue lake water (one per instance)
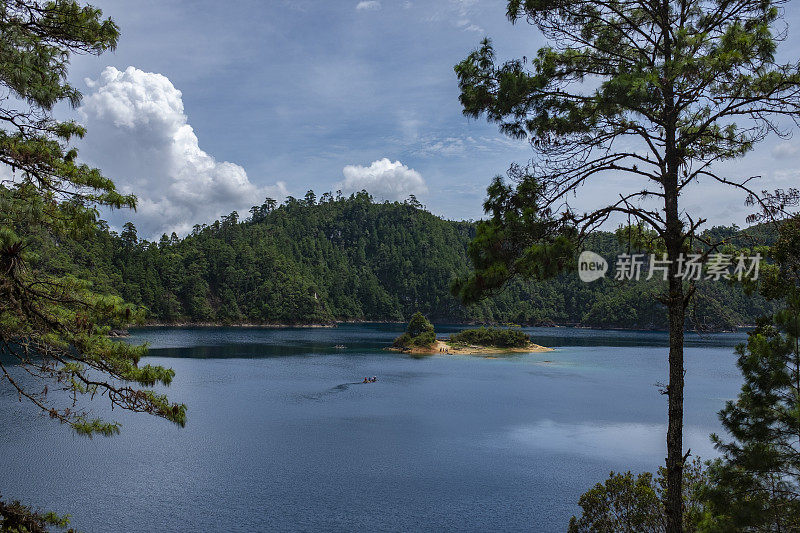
(282, 437)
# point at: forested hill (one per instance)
(310, 261)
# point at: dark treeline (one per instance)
(347, 258)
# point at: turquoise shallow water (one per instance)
(281, 436)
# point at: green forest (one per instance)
(337, 258)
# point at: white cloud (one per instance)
(466, 25)
(465, 10)
(448, 146)
(458, 13)
(785, 150)
(383, 179)
(465, 145)
(140, 137)
(368, 5)
(410, 125)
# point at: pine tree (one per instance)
(755, 486)
(52, 324)
(659, 92)
(625, 503)
(419, 332)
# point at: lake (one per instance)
(281, 435)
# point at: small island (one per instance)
(420, 339)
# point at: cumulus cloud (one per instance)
(368, 5)
(383, 179)
(140, 136)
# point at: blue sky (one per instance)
(279, 97)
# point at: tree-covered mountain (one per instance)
(349, 258)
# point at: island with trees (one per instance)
(420, 339)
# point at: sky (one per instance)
(209, 107)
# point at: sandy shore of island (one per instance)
(446, 348)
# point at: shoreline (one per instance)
(461, 349)
(221, 325)
(335, 324)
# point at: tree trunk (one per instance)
(676, 304)
(674, 505)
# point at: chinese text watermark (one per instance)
(690, 267)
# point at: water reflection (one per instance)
(608, 440)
